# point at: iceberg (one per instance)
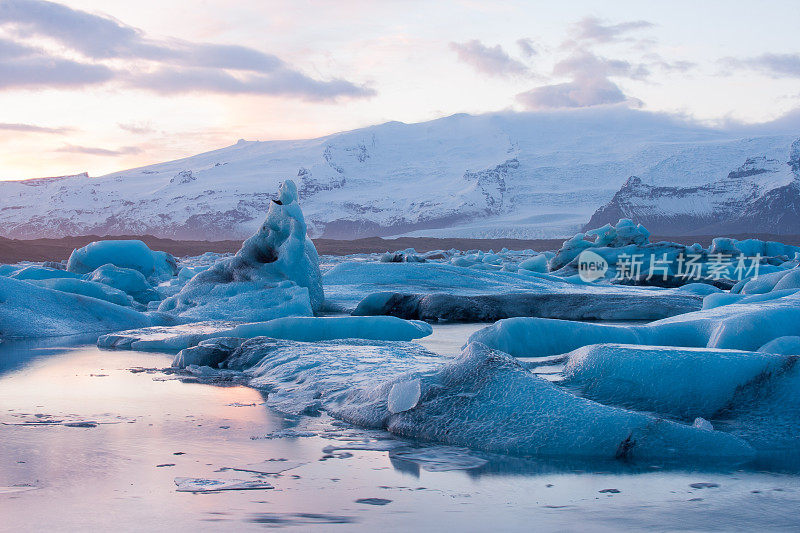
(308, 329)
(583, 305)
(483, 399)
(274, 274)
(436, 291)
(31, 311)
(681, 382)
(128, 280)
(86, 288)
(740, 326)
(132, 254)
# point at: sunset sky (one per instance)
(100, 86)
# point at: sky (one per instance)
(99, 86)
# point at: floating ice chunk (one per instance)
(404, 396)
(572, 305)
(487, 400)
(127, 254)
(310, 329)
(702, 423)
(744, 326)
(86, 288)
(31, 311)
(789, 345)
(194, 484)
(35, 272)
(270, 466)
(127, 280)
(274, 274)
(683, 382)
(536, 263)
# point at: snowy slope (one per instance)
(496, 175)
(760, 196)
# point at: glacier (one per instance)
(523, 175)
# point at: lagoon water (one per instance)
(92, 437)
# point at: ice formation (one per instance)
(571, 305)
(741, 326)
(482, 399)
(682, 382)
(31, 311)
(309, 329)
(443, 291)
(274, 274)
(126, 254)
(618, 244)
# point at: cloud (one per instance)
(775, 65)
(136, 128)
(27, 66)
(283, 82)
(587, 65)
(90, 150)
(590, 83)
(31, 128)
(577, 93)
(493, 61)
(527, 48)
(590, 75)
(150, 63)
(594, 29)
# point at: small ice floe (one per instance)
(404, 396)
(270, 466)
(373, 446)
(193, 484)
(285, 434)
(440, 458)
(702, 423)
(373, 501)
(704, 485)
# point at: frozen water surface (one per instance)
(155, 428)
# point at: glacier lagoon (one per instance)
(260, 377)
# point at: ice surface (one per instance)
(789, 345)
(584, 305)
(404, 396)
(127, 254)
(616, 244)
(174, 338)
(742, 326)
(86, 288)
(482, 399)
(274, 274)
(30, 311)
(443, 291)
(193, 484)
(270, 466)
(37, 272)
(682, 382)
(127, 280)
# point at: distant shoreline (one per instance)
(14, 250)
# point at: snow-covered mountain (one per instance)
(525, 175)
(760, 196)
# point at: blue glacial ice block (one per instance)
(274, 274)
(487, 400)
(31, 311)
(124, 253)
(682, 382)
(742, 326)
